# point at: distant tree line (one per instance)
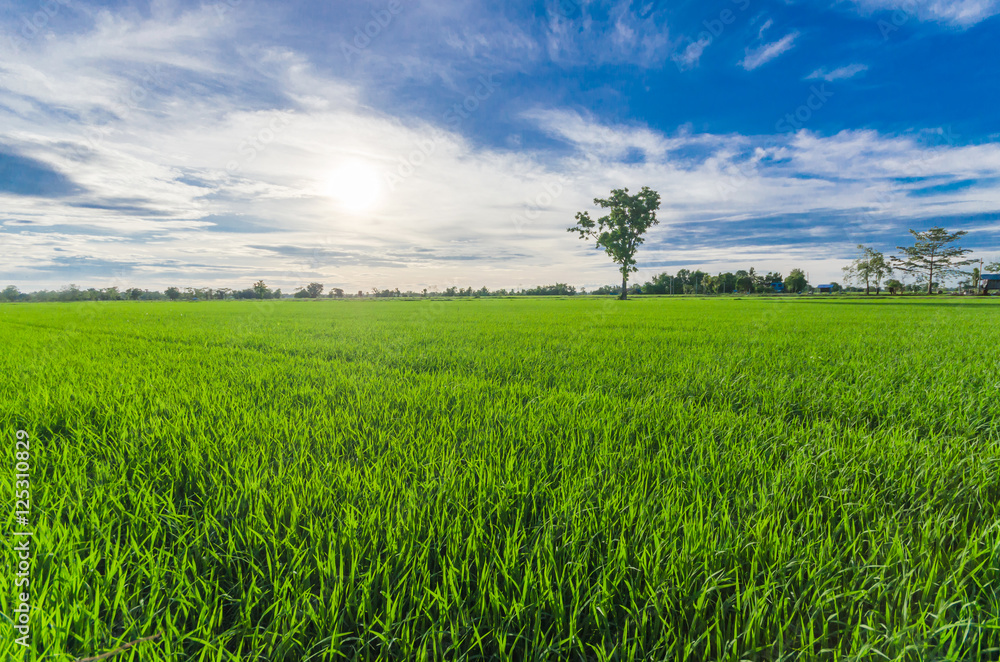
(559, 289)
(260, 290)
(742, 281)
(932, 258)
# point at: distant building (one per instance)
(778, 287)
(825, 289)
(989, 282)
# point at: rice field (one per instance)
(508, 479)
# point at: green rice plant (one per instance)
(531, 479)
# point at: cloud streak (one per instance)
(761, 55)
(959, 13)
(840, 73)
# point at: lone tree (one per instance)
(314, 290)
(932, 254)
(260, 289)
(871, 267)
(620, 232)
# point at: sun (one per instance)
(355, 187)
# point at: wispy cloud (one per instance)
(630, 34)
(840, 73)
(756, 57)
(764, 28)
(960, 13)
(689, 57)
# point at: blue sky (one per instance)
(429, 143)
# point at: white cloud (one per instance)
(960, 13)
(219, 173)
(691, 54)
(840, 73)
(628, 36)
(756, 57)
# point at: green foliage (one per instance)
(620, 232)
(310, 291)
(509, 480)
(172, 293)
(559, 289)
(869, 268)
(933, 254)
(10, 293)
(773, 277)
(796, 282)
(894, 286)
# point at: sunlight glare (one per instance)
(355, 187)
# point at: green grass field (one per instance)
(522, 479)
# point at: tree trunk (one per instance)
(624, 295)
(930, 280)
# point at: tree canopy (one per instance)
(620, 232)
(932, 253)
(796, 281)
(870, 267)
